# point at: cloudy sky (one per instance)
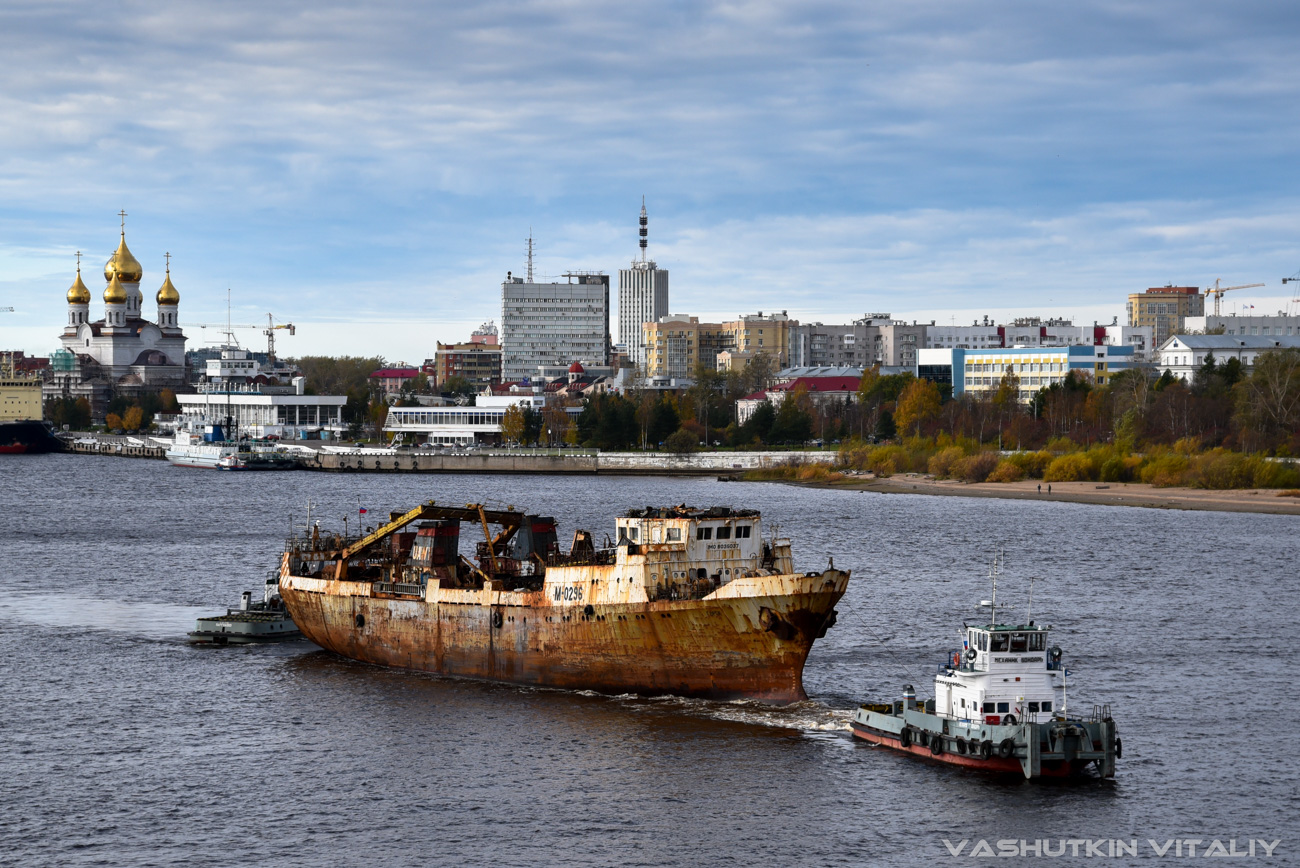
(370, 172)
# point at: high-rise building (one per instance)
(553, 323)
(642, 298)
(1165, 309)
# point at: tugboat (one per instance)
(266, 621)
(999, 706)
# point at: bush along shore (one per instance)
(1184, 464)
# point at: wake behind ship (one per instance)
(693, 602)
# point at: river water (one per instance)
(122, 745)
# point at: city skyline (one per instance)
(371, 175)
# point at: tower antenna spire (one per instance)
(530, 254)
(645, 228)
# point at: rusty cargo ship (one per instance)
(692, 602)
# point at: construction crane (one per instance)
(270, 331)
(1218, 291)
(1295, 278)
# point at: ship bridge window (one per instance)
(1019, 642)
(724, 533)
(1000, 641)
(1037, 641)
(674, 534)
(704, 533)
(742, 532)
(989, 708)
(984, 641)
(634, 532)
(1004, 707)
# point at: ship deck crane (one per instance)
(1218, 291)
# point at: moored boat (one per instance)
(693, 602)
(999, 706)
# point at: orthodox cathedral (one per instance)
(122, 353)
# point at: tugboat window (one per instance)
(988, 708)
(1000, 641)
(704, 533)
(1004, 707)
(674, 534)
(742, 532)
(1033, 708)
(1037, 641)
(1047, 706)
(634, 532)
(1019, 642)
(724, 533)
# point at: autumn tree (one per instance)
(917, 405)
(134, 418)
(1268, 401)
(512, 424)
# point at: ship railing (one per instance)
(1100, 713)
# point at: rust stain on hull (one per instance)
(712, 648)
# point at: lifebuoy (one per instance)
(956, 659)
(1007, 748)
(1009, 720)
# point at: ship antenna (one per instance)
(1029, 612)
(530, 254)
(993, 603)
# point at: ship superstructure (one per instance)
(694, 602)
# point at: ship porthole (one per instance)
(360, 621)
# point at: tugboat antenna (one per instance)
(1029, 611)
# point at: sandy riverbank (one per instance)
(1111, 494)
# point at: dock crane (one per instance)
(1295, 278)
(1218, 291)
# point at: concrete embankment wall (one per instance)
(498, 460)
(649, 463)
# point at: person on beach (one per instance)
(1040, 488)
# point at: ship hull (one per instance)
(725, 646)
(1030, 750)
(28, 437)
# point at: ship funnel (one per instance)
(909, 697)
(245, 600)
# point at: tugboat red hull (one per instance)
(994, 764)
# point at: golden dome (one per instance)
(123, 265)
(167, 293)
(77, 293)
(115, 293)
